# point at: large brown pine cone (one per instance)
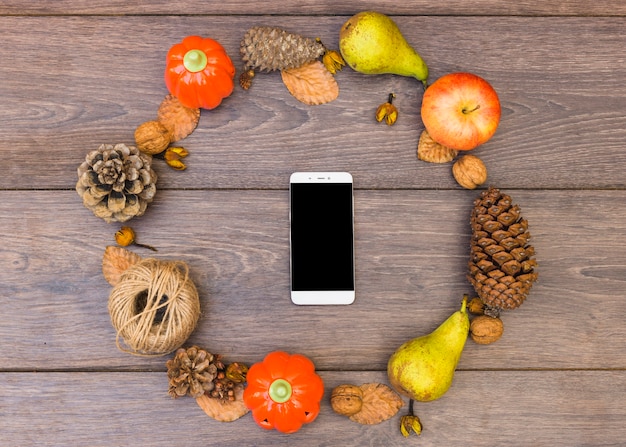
(266, 48)
(501, 267)
(116, 182)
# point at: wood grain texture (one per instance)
(548, 408)
(320, 7)
(560, 81)
(76, 74)
(412, 250)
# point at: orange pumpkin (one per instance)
(199, 72)
(283, 392)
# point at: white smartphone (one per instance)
(321, 238)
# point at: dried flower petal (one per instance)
(333, 61)
(236, 372)
(410, 424)
(177, 164)
(173, 157)
(125, 236)
(387, 111)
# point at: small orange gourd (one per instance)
(283, 392)
(199, 72)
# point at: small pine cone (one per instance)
(192, 372)
(116, 182)
(267, 49)
(501, 267)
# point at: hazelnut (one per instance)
(152, 137)
(347, 399)
(485, 330)
(431, 151)
(469, 171)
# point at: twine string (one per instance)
(154, 308)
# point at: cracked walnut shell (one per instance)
(485, 329)
(368, 404)
(469, 171)
(347, 399)
(152, 137)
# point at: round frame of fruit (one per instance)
(460, 111)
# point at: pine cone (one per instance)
(116, 182)
(192, 372)
(266, 49)
(500, 267)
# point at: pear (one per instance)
(371, 43)
(423, 368)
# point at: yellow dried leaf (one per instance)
(115, 262)
(379, 404)
(177, 118)
(223, 411)
(311, 83)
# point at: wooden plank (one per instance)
(483, 408)
(559, 79)
(412, 249)
(321, 7)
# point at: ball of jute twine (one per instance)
(154, 307)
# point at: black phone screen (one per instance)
(322, 237)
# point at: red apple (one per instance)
(461, 111)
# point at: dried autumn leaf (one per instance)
(224, 410)
(379, 404)
(311, 83)
(431, 151)
(115, 261)
(177, 118)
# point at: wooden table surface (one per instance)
(76, 74)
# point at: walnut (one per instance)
(469, 171)
(347, 399)
(152, 137)
(431, 151)
(485, 329)
(368, 404)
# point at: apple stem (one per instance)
(473, 110)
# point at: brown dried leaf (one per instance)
(177, 118)
(379, 404)
(115, 261)
(311, 83)
(224, 411)
(431, 151)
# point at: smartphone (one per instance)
(321, 238)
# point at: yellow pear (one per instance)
(423, 368)
(371, 43)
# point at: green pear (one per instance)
(371, 43)
(423, 368)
